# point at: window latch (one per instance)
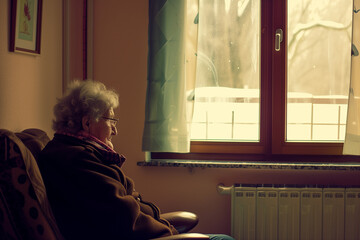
(278, 38)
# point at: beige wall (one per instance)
(30, 84)
(120, 61)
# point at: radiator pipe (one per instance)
(224, 190)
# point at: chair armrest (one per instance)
(184, 236)
(181, 220)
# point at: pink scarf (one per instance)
(110, 156)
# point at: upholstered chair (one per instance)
(25, 212)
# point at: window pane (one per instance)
(318, 67)
(228, 75)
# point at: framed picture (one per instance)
(25, 27)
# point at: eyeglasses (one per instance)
(112, 120)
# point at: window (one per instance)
(318, 63)
(272, 79)
(227, 94)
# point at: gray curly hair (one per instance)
(82, 98)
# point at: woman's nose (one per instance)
(114, 130)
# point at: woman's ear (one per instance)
(85, 121)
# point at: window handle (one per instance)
(278, 38)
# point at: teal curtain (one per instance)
(171, 74)
(352, 137)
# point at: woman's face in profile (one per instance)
(104, 128)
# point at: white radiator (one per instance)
(293, 213)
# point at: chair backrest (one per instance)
(25, 212)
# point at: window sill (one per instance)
(251, 165)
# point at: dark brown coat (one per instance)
(92, 199)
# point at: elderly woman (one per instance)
(90, 195)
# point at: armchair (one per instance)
(25, 212)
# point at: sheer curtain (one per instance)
(352, 137)
(171, 75)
